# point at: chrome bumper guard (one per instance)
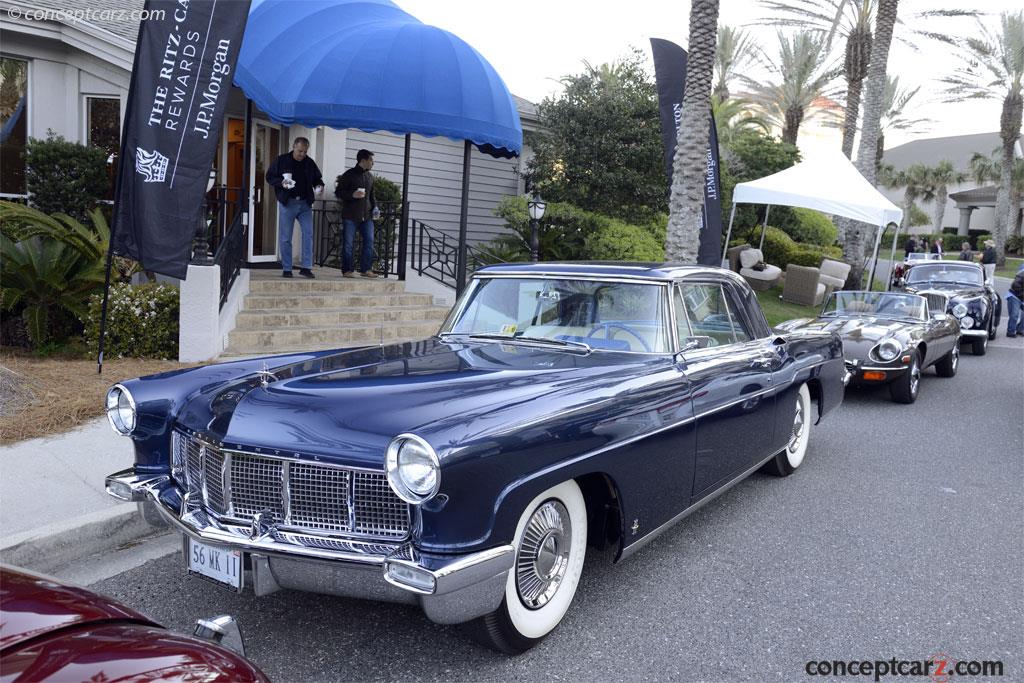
(450, 588)
(973, 333)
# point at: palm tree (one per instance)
(993, 67)
(736, 50)
(850, 21)
(804, 74)
(686, 198)
(853, 244)
(733, 117)
(916, 184)
(894, 117)
(942, 175)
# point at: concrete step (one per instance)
(334, 300)
(322, 317)
(314, 338)
(299, 285)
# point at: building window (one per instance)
(13, 124)
(103, 130)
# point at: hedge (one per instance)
(780, 249)
(142, 321)
(812, 227)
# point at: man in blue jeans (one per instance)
(1015, 305)
(354, 190)
(297, 181)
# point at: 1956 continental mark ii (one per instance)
(560, 405)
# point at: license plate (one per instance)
(213, 562)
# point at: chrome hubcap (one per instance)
(543, 555)
(798, 427)
(915, 377)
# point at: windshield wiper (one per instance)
(531, 340)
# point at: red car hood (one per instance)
(33, 605)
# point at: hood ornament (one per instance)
(266, 376)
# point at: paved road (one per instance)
(900, 536)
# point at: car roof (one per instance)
(660, 272)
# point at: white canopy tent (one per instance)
(829, 183)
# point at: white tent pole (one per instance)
(874, 256)
(764, 228)
(728, 234)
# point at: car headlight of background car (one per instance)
(414, 471)
(960, 310)
(888, 350)
(121, 409)
(967, 322)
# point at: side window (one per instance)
(712, 316)
(739, 328)
(682, 322)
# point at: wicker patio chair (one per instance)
(803, 286)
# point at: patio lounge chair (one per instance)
(834, 273)
(733, 254)
(803, 286)
(758, 279)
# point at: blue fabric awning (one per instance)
(369, 65)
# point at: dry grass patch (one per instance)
(44, 396)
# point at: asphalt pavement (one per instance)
(900, 536)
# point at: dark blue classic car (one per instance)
(560, 405)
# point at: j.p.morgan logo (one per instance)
(152, 166)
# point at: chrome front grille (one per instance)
(300, 495)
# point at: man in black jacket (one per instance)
(1015, 304)
(354, 190)
(297, 181)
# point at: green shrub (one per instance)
(620, 241)
(812, 227)
(1014, 244)
(65, 177)
(142, 321)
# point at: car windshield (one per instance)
(921, 256)
(612, 316)
(926, 273)
(876, 304)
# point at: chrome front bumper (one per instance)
(450, 588)
(973, 333)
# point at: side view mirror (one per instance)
(697, 342)
(989, 282)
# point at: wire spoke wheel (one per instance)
(543, 554)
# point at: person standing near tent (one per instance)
(965, 252)
(910, 247)
(354, 189)
(937, 247)
(297, 181)
(989, 258)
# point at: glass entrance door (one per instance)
(266, 142)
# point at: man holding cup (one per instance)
(297, 181)
(354, 190)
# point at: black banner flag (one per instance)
(180, 83)
(670, 76)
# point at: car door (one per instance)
(730, 375)
(940, 330)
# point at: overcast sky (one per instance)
(532, 43)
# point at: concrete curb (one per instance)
(60, 544)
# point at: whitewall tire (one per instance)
(790, 458)
(551, 544)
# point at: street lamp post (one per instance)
(536, 207)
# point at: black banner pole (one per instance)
(460, 276)
(403, 236)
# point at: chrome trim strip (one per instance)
(286, 491)
(973, 333)
(229, 503)
(882, 369)
(651, 535)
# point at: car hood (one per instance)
(32, 605)
(950, 289)
(859, 334)
(356, 401)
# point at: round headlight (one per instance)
(959, 310)
(967, 322)
(121, 409)
(888, 350)
(414, 472)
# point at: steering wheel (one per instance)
(608, 327)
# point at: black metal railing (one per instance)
(436, 254)
(328, 234)
(230, 256)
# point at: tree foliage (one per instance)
(65, 177)
(600, 142)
